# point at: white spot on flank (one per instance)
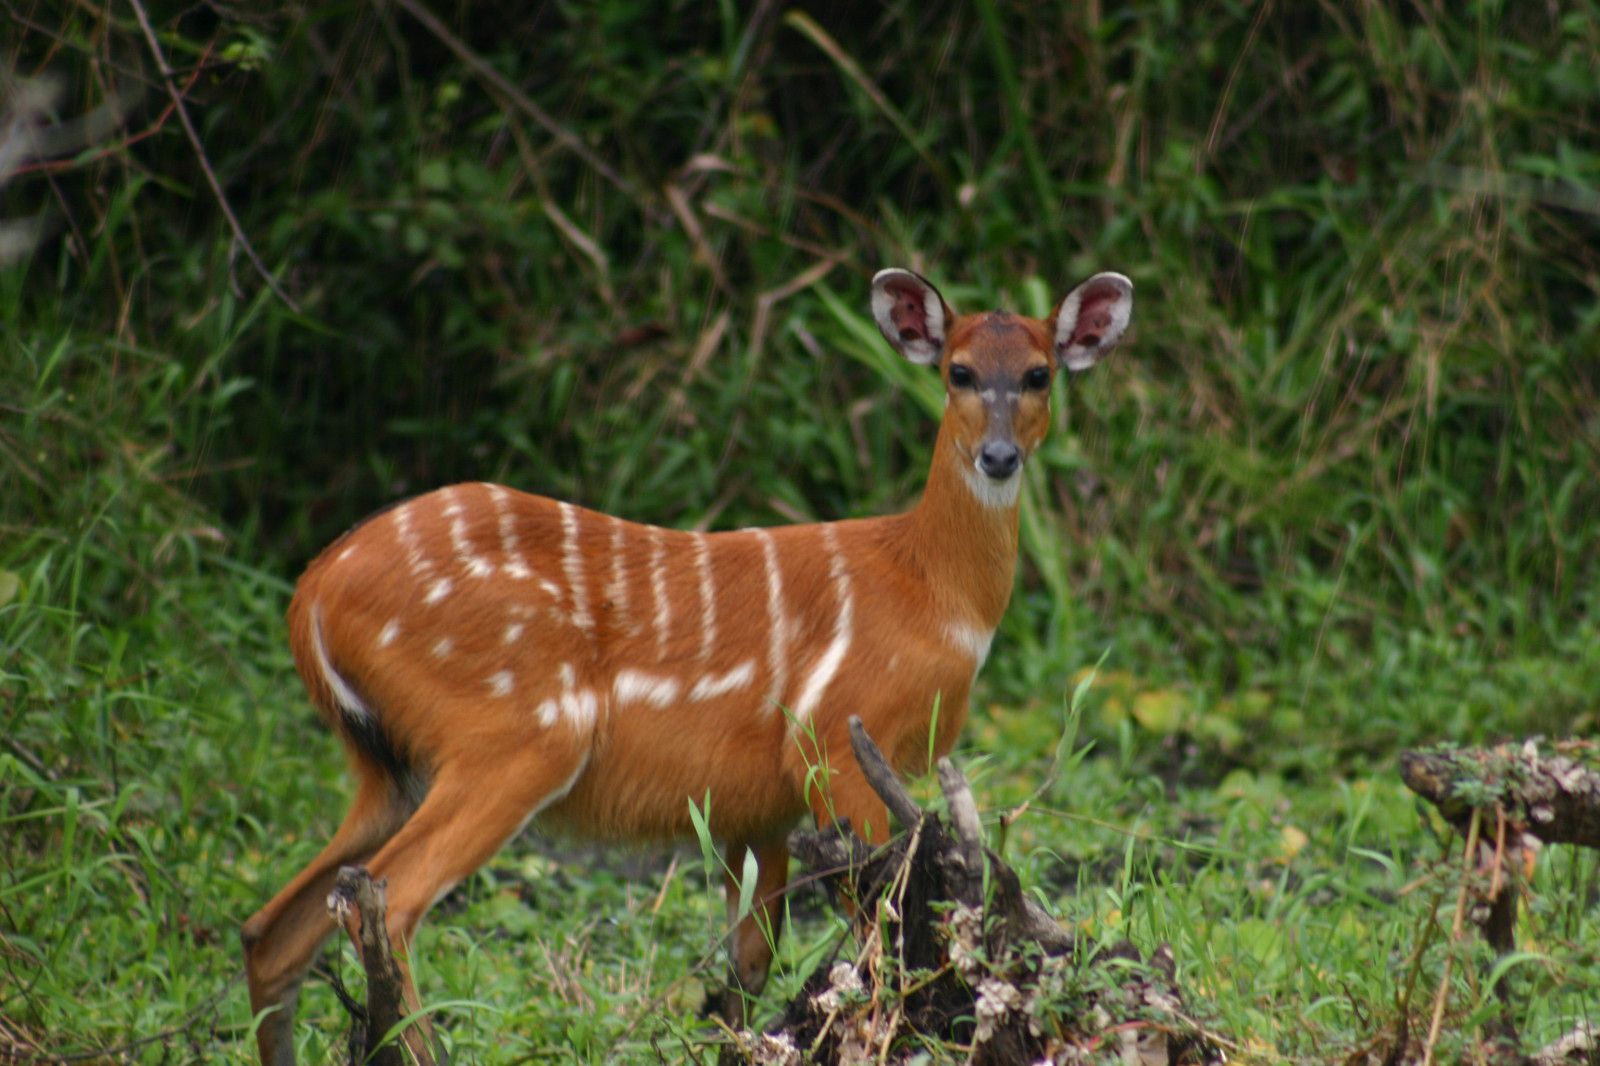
(579, 706)
(409, 542)
(572, 565)
(828, 665)
(513, 631)
(708, 597)
(971, 640)
(442, 647)
(351, 550)
(500, 683)
(992, 493)
(777, 621)
(713, 685)
(635, 686)
(343, 694)
(390, 632)
(437, 591)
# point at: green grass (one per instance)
(1334, 497)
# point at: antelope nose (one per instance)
(999, 459)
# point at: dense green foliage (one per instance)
(1335, 495)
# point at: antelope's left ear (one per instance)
(1091, 320)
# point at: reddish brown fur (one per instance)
(915, 582)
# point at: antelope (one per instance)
(486, 656)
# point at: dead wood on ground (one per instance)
(951, 950)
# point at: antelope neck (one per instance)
(972, 545)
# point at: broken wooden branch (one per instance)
(881, 776)
(1551, 792)
(357, 903)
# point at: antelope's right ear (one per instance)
(910, 314)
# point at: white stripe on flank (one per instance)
(515, 565)
(634, 686)
(617, 587)
(777, 622)
(713, 685)
(473, 563)
(970, 639)
(708, 597)
(572, 565)
(343, 694)
(828, 665)
(658, 589)
(419, 563)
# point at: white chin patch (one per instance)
(992, 493)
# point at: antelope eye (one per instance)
(1037, 378)
(960, 376)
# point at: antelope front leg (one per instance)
(754, 938)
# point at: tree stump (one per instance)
(952, 949)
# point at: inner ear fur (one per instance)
(910, 314)
(1091, 320)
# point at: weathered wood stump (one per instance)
(1551, 792)
(952, 949)
(1506, 801)
(357, 903)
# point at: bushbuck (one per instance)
(488, 656)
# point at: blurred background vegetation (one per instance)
(1336, 493)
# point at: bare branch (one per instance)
(522, 100)
(881, 776)
(169, 80)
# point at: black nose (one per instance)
(999, 459)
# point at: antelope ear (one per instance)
(1090, 321)
(910, 314)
